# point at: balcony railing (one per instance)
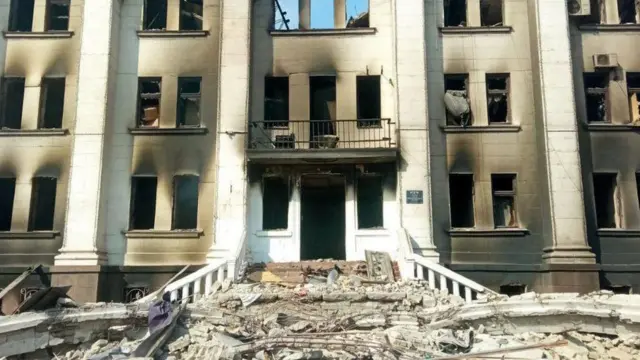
(322, 134)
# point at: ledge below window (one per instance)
(619, 232)
(475, 29)
(274, 233)
(171, 33)
(501, 232)
(480, 128)
(34, 132)
(610, 27)
(324, 32)
(169, 131)
(35, 235)
(164, 234)
(610, 127)
(37, 35)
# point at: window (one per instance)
(51, 103)
(143, 202)
(276, 101)
(275, 203)
(189, 102)
(190, 15)
(455, 12)
(595, 87)
(57, 15)
(13, 97)
(185, 202)
(323, 112)
(513, 289)
(370, 202)
(368, 98)
(321, 14)
(457, 99)
(461, 198)
(155, 15)
(21, 16)
(627, 11)
(503, 188)
(633, 89)
(149, 102)
(491, 13)
(606, 198)
(43, 203)
(7, 194)
(498, 98)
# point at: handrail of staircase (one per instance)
(236, 262)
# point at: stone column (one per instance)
(231, 185)
(412, 124)
(304, 14)
(339, 14)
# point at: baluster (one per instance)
(208, 280)
(443, 284)
(432, 279)
(220, 274)
(467, 294)
(185, 293)
(456, 288)
(420, 272)
(174, 295)
(196, 289)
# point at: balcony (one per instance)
(322, 141)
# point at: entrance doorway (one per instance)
(322, 233)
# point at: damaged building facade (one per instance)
(138, 136)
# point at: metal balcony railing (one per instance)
(322, 134)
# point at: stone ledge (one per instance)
(34, 132)
(619, 232)
(171, 33)
(29, 235)
(37, 34)
(164, 234)
(610, 27)
(201, 130)
(475, 29)
(610, 127)
(500, 232)
(481, 128)
(324, 32)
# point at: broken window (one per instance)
(456, 99)
(633, 89)
(189, 102)
(627, 11)
(190, 15)
(43, 203)
(370, 202)
(143, 202)
(498, 98)
(455, 12)
(503, 188)
(323, 111)
(461, 198)
(321, 14)
(596, 85)
(275, 203)
(155, 15)
(513, 289)
(276, 101)
(12, 99)
(51, 103)
(491, 13)
(7, 193)
(57, 15)
(606, 194)
(21, 17)
(185, 202)
(149, 102)
(368, 98)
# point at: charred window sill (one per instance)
(34, 132)
(610, 27)
(475, 29)
(500, 232)
(274, 233)
(611, 127)
(172, 33)
(37, 35)
(619, 232)
(324, 32)
(164, 234)
(481, 128)
(169, 131)
(29, 234)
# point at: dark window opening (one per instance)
(370, 202)
(43, 203)
(457, 99)
(323, 111)
(627, 11)
(185, 202)
(491, 12)
(596, 86)
(633, 89)
(21, 17)
(498, 98)
(57, 15)
(7, 194)
(275, 203)
(51, 103)
(503, 188)
(143, 202)
(155, 15)
(190, 15)
(368, 99)
(12, 100)
(189, 102)
(276, 101)
(461, 198)
(619, 289)
(149, 102)
(604, 188)
(513, 289)
(455, 12)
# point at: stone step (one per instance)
(294, 272)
